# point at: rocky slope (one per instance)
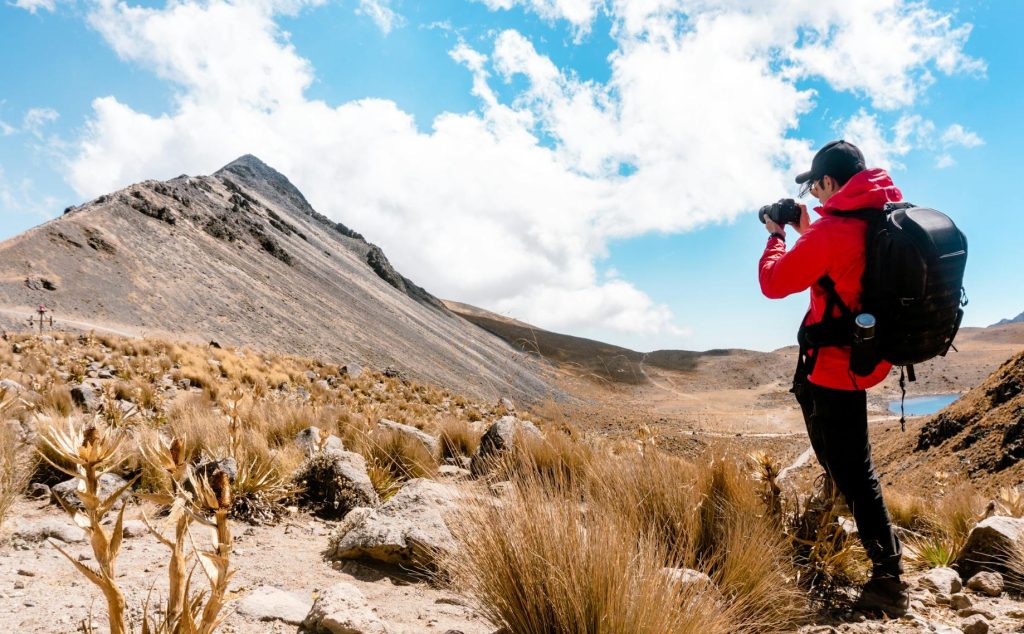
(242, 258)
(980, 436)
(1019, 319)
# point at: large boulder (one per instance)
(342, 609)
(109, 483)
(410, 529)
(501, 437)
(335, 482)
(989, 544)
(309, 440)
(428, 441)
(267, 603)
(352, 370)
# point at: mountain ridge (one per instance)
(241, 257)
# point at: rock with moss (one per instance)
(334, 482)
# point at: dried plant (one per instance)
(185, 612)
(93, 452)
(1010, 501)
(766, 472)
(15, 462)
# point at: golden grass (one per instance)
(398, 455)
(541, 563)
(458, 439)
(941, 529)
(16, 461)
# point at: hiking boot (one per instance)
(886, 594)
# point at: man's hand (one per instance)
(773, 227)
(805, 220)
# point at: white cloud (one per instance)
(512, 207)
(35, 5)
(381, 13)
(36, 119)
(884, 148)
(956, 134)
(6, 129)
(579, 13)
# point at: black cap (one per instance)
(838, 159)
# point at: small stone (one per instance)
(976, 610)
(26, 573)
(960, 601)
(268, 603)
(942, 581)
(987, 583)
(19, 585)
(40, 530)
(134, 528)
(38, 491)
(342, 609)
(975, 625)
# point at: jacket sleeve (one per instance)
(784, 272)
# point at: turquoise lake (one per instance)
(923, 405)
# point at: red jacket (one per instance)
(835, 245)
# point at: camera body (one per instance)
(782, 213)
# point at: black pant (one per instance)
(837, 423)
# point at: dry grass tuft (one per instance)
(540, 563)
(458, 440)
(16, 463)
(396, 458)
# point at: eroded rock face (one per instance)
(987, 544)
(342, 609)
(408, 530)
(335, 482)
(500, 437)
(428, 441)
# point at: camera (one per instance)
(782, 213)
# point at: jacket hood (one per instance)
(869, 189)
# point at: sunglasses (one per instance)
(807, 187)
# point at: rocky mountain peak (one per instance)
(249, 171)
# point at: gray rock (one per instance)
(352, 370)
(506, 402)
(51, 527)
(500, 437)
(309, 441)
(975, 625)
(988, 544)
(323, 384)
(342, 609)
(335, 482)
(960, 601)
(11, 386)
(227, 465)
(409, 529)
(134, 528)
(87, 396)
(428, 441)
(942, 581)
(109, 483)
(311, 375)
(267, 603)
(987, 583)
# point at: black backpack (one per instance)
(912, 284)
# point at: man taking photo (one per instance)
(830, 252)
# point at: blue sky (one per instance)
(579, 164)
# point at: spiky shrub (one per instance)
(541, 563)
(94, 452)
(258, 490)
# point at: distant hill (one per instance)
(241, 257)
(596, 359)
(1019, 319)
